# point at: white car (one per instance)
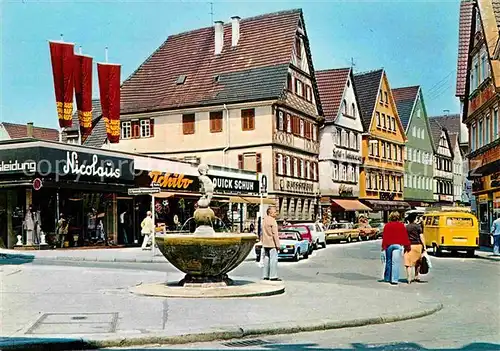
(317, 232)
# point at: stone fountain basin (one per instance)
(206, 255)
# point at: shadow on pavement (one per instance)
(60, 344)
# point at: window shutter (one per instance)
(152, 127)
(308, 130)
(240, 161)
(136, 130)
(251, 119)
(295, 127)
(258, 160)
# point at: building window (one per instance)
(145, 128)
(353, 110)
(378, 119)
(487, 130)
(295, 167)
(386, 97)
(483, 68)
(288, 123)
(301, 169)
(299, 87)
(368, 181)
(216, 121)
(388, 122)
(308, 93)
(279, 161)
(473, 137)
(308, 170)
(350, 174)
(302, 128)
(344, 108)
(352, 140)
(314, 132)
(496, 131)
(388, 151)
(288, 166)
(335, 171)
(345, 139)
(480, 138)
(250, 162)
(298, 47)
(384, 121)
(414, 131)
(338, 141)
(289, 82)
(126, 130)
(248, 119)
(343, 172)
(381, 96)
(393, 122)
(188, 123)
(281, 120)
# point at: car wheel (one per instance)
(296, 258)
(436, 250)
(257, 258)
(349, 239)
(306, 255)
(323, 244)
(310, 249)
(315, 245)
(470, 253)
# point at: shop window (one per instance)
(145, 128)
(126, 130)
(216, 121)
(248, 119)
(188, 123)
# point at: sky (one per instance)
(415, 41)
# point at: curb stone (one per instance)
(489, 258)
(229, 333)
(78, 259)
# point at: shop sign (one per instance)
(483, 159)
(143, 191)
(77, 165)
(448, 198)
(345, 190)
(346, 156)
(234, 185)
(294, 186)
(167, 180)
(387, 196)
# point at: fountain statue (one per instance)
(205, 256)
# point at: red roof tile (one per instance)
(17, 131)
(331, 85)
(405, 93)
(265, 41)
(464, 40)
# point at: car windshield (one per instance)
(302, 230)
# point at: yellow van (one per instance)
(452, 231)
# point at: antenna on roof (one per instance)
(353, 64)
(211, 13)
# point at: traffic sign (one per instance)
(143, 191)
(37, 184)
(263, 184)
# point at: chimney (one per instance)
(219, 37)
(235, 35)
(29, 130)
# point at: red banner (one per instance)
(109, 91)
(83, 93)
(62, 58)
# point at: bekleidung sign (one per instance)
(67, 164)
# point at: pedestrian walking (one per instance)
(413, 257)
(147, 230)
(394, 239)
(270, 246)
(61, 230)
(495, 231)
(124, 225)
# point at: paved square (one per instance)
(75, 323)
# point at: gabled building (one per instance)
(478, 87)
(340, 139)
(443, 164)
(419, 151)
(240, 95)
(462, 187)
(381, 175)
(9, 131)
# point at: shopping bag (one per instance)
(424, 266)
(261, 261)
(429, 262)
(382, 260)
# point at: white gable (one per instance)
(352, 118)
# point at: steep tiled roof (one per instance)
(405, 99)
(436, 130)
(264, 48)
(451, 122)
(453, 139)
(464, 40)
(98, 136)
(331, 85)
(17, 131)
(367, 86)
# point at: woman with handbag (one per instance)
(413, 258)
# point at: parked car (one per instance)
(305, 233)
(293, 245)
(366, 233)
(344, 231)
(317, 232)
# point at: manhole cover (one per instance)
(75, 323)
(246, 343)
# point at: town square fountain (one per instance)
(206, 257)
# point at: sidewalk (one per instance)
(95, 307)
(486, 253)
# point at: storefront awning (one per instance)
(350, 205)
(385, 205)
(251, 200)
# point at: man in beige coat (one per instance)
(270, 246)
